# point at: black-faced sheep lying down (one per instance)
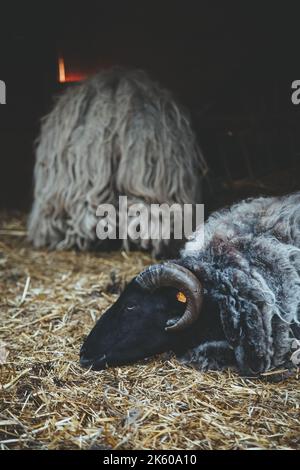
(230, 300)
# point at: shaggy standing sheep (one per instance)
(232, 299)
(118, 133)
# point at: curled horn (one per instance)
(173, 275)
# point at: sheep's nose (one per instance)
(84, 362)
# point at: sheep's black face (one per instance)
(133, 328)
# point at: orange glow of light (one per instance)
(65, 76)
(61, 70)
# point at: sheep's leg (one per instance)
(264, 340)
(254, 351)
(212, 355)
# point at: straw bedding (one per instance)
(49, 301)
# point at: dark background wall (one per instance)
(232, 65)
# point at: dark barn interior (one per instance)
(232, 66)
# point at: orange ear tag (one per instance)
(181, 297)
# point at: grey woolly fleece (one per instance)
(118, 133)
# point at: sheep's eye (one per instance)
(181, 297)
(130, 307)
